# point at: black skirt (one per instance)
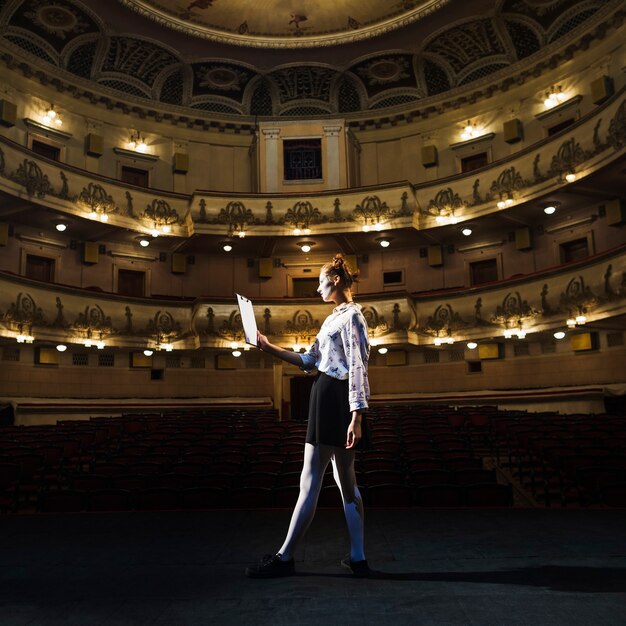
(330, 415)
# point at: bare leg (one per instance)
(343, 471)
(316, 459)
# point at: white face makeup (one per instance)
(326, 287)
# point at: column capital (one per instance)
(331, 131)
(271, 133)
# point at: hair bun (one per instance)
(339, 266)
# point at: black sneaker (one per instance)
(271, 566)
(359, 569)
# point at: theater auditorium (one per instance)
(467, 159)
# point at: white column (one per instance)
(271, 159)
(332, 156)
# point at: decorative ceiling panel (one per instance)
(466, 44)
(137, 58)
(386, 72)
(220, 79)
(56, 22)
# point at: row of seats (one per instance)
(412, 447)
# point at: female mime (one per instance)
(339, 395)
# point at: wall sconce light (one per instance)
(301, 231)
(144, 242)
(553, 97)
(550, 209)
(446, 216)
(383, 242)
(137, 142)
(103, 217)
(148, 352)
(472, 345)
(227, 246)
(382, 350)
(577, 320)
(570, 177)
(505, 202)
(52, 118)
(236, 353)
(470, 131)
(61, 347)
(439, 341)
(559, 334)
(466, 230)
(61, 227)
(519, 332)
(376, 226)
(306, 246)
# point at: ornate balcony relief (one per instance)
(515, 313)
(301, 216)
(578, 299)
(443, 325)
(443, 206)
(98, 202)
(591, 144)
(300, 330)
(164, 330)
(376, 323)
(392, 206)
(77, 192)
(374, 214)
(535, 171)
(232, 328)
(161, 216)
(595, 289)
(616, 137)
(93, 327)
(21, 317)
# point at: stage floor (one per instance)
(479, 567)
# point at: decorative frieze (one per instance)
(596, 289)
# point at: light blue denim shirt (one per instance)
(341, 350)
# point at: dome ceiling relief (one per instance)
(285, 23)
(75, 36)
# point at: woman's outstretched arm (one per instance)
(277, 351)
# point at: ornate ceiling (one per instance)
(456, 44)
(285, 23)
